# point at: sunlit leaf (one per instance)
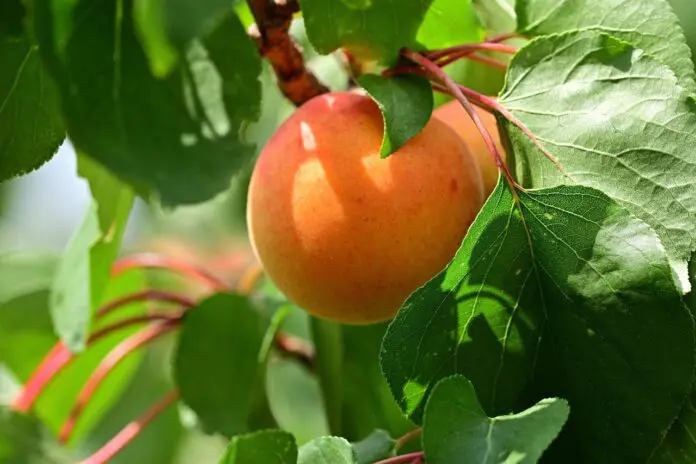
(554, 296)
(180, 137)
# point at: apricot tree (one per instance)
(467, 230)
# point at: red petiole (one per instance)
(107, 365)
(130, 431)
(60, 357)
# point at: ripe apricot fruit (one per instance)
(458, 119)
(345, 234)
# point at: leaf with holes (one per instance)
(180, 137)
(616, 120)
(554, 296)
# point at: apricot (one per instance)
(345, 234)
(458, 119)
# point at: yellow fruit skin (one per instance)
(346, 235)
(454, 115)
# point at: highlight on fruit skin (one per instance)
(453, 114)
(346, 235)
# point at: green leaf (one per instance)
(71, 303)
(374, 447)
(31, 128)
(371, 30)
(182, 137)
(617, 121)
(498, 16)
(367, 401)
(266, 446)
(679, 445)
(113, 200)
(83, 274)
(456, 428)
(327, 340)
(554, 296)
(25, 273)
(167, 26)
(12, 13)
(216, 362)
(650, 25)
(20, 438)
(327, 450)
(84, 271)
(25, 322)
(406, 103)
(448, 23)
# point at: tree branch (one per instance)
(271, 33)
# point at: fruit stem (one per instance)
(130, 431)
(456, 91)
(117, 355)
(403, 458)
(154, 261)
(60, 356)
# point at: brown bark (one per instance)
(271, 33)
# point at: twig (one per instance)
(151, 260)
(106, 366)
(403, 458)
(271, 33)
(467, 49)
(130, 431)
(454, 88)
(145, 295)
(60, 356)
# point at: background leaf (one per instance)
(406, 103)
(374, 447)
(448, 23)
(650, 25)
(266, 446)
(19, 436)
(371, 30)
(166, 26)
(216, 362)
(554, 297)
(326, 450)
(180, 136)
(616, 120)
(25, 322)
(31, 128)
(83, 274)
(455, 427)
